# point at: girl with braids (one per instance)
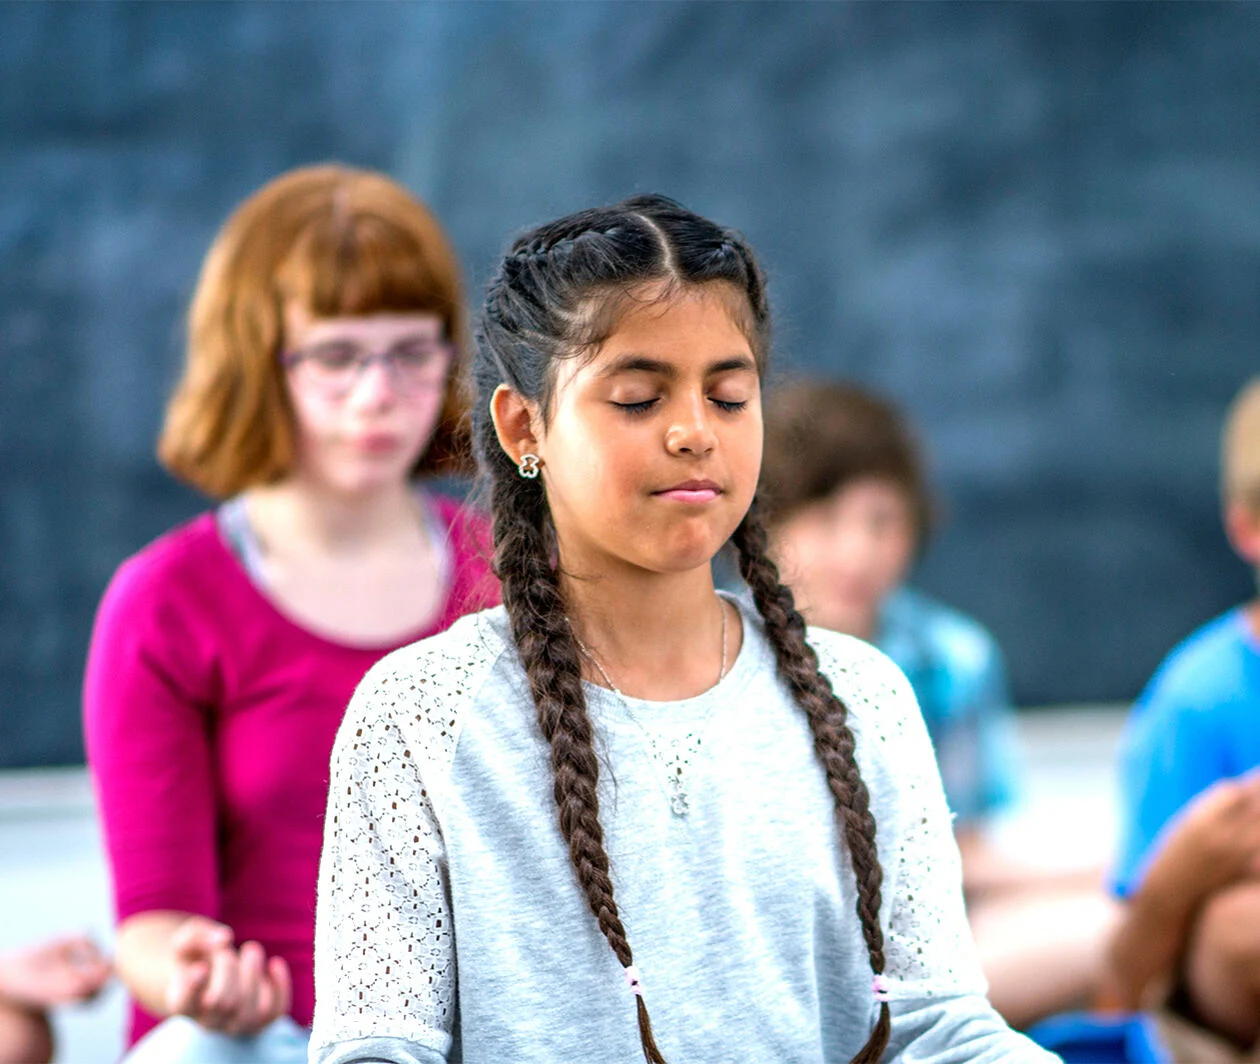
(622, 788)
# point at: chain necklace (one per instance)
(679, 803)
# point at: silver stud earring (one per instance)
(529, 466)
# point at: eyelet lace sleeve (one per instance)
(928, 948)
(384, 947)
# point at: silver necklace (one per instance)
(679, 803)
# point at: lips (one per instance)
(692, 491)
(377, 442)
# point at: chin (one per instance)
(683, 564)
(365, 482)
(685, 559)
(697, 545)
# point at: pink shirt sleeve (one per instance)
(147, 691)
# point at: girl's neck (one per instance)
(309, 518)
(865, 627)
(658, 636)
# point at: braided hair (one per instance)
(558, 293)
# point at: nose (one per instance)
(691, 435)
(374, 386)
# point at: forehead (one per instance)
(870, 492)
(684, 328)
(302, 327)
(678, 320)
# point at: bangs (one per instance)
(365, 264)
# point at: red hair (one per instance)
(338, 242)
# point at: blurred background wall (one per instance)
(1035, 226)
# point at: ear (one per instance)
(1242, 526)
(515, 418)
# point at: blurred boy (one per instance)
(849, 512)
(1189, 868)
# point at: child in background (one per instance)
(849, 512)
(326, 337)
(1189, 866)
(34, 980)
(624, 788)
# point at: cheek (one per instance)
(745, 458)
(595, 469)
(893, 554)
(313, 419)
(422, 413)
(803, 549)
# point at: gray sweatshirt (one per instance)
(450, 925)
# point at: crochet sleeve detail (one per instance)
(928, 947)
(384, 945)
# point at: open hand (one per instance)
(223, 987)
(59, 972)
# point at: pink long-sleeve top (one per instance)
(210, 718)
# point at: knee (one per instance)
(25, 1036)
(175, 1039)
(1228, 930)
(180, 1040)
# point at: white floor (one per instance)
(52, 871)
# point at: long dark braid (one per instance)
(549, 653)
(833, 742)
(555, 296)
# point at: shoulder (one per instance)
(187, 558)
(1199, 697)
(855, 660)
(875, 691)
(163, 617)
(951, 636)
(1206, 668)
(471, 543)
(423, 691)
(465, 524)
(892, 747)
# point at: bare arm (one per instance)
(146, 958)
(176, 963)
(1215, 842)
(1151, 934)
(987, 871)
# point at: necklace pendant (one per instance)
(679, 805)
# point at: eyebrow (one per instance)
(644, 364)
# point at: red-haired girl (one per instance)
(323, 379)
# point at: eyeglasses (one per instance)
(335, 367)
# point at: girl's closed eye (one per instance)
(729, 396)
(640, 406)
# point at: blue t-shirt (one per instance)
(1198, 721)
(956, 670)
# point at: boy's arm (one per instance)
(1213, 843)
(1153, 928)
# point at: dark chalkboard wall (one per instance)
(1036, 226)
